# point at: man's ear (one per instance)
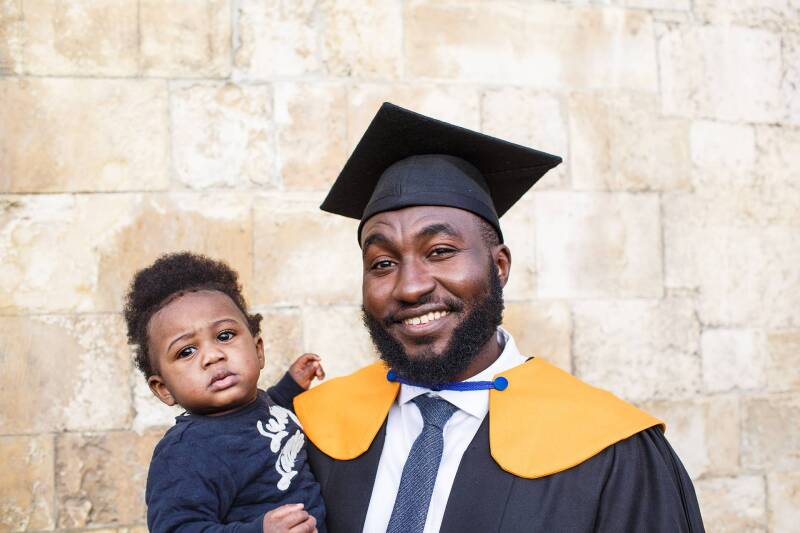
(160, 389)
(260, 351)
(502, 262)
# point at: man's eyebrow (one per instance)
(440, 228)
(375, 238)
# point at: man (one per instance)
(455, 430)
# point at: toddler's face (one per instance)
(205, 357)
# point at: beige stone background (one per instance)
(661, 261)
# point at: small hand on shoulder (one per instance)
(305, 368)
(291, 518)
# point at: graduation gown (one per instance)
(552, 455)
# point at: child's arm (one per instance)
(297, 379)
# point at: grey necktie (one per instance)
(422, 465)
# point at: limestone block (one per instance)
(519, 234)
(772, 14)
(669, 5)
(784, 501)
(303, 255)
(771, 435)
(454, 104)
(117, 135)
(222, 135)
(82, 37)
(728, 73)
(777, 168)
(783, 360)
(529, 118)
(78, 253)
(10, 37)
(100, 477)
(598, 244)
(282, 331)
(638, 349)
(621, 142)
(63, 373)
(311, 121)
(362, 39)
(542, 45)
(733, 359)
(541, 329)
(703, 432)
(27, 491)
(149, 411)
(338, 335)
(733, 504)
(722, 154)
(185, 38)
(790, 47)
(276, 38)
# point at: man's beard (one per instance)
(431, 368)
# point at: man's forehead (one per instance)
(419, 221)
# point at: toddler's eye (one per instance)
(225, 336)
(186, 352)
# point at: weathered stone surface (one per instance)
(78, 253)
(772, 14)
(703, 432)
(722, 154)
(10, 37)
(733, 504)
(541, 329)
(100, 477)
(596, 245)
(82, 37)
(337, 334)
(771, 435)
(639, 349)
(276, 38)
(729, 73)
(527, 43)
(27, 491)
(83, 135)
(529, 118)
(621, 143)
(790, 47)
(222, 135)
(312, 133)
(454, 104)
(282, 331)
(777, 168)
(149, 411)
(78, 367)
(673, 5)
(783, 360)
(784, 501)
(303, 255)
(519, 234)
(185, 38)
(733, 359)
(363, 39)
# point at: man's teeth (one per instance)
(424, 319)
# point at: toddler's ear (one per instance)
(160, 390)
(260, 350)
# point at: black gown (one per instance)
(637, 484)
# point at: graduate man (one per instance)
(455, 430)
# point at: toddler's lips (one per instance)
(223, 381)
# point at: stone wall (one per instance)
(661, 261)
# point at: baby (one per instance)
(235, 461)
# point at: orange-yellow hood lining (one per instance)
(546, 420)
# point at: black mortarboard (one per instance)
(406, 159)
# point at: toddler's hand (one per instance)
(289, 518)
(306, 368)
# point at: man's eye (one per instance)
(225, 336)
(186, 352)
(442, 250)
(382, 265)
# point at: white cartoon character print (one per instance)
(275, 431)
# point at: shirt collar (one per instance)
(474, 403)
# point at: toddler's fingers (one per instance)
(284, 510)
(307, 526)
(319, 372)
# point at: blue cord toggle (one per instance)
(499, 383)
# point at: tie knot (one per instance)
(435, 411)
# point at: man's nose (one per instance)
(414, 281)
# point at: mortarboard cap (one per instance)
(406, 159)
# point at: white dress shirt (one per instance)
(403, 426)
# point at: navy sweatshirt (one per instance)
(220, 474)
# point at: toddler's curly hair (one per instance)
(169, 277)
